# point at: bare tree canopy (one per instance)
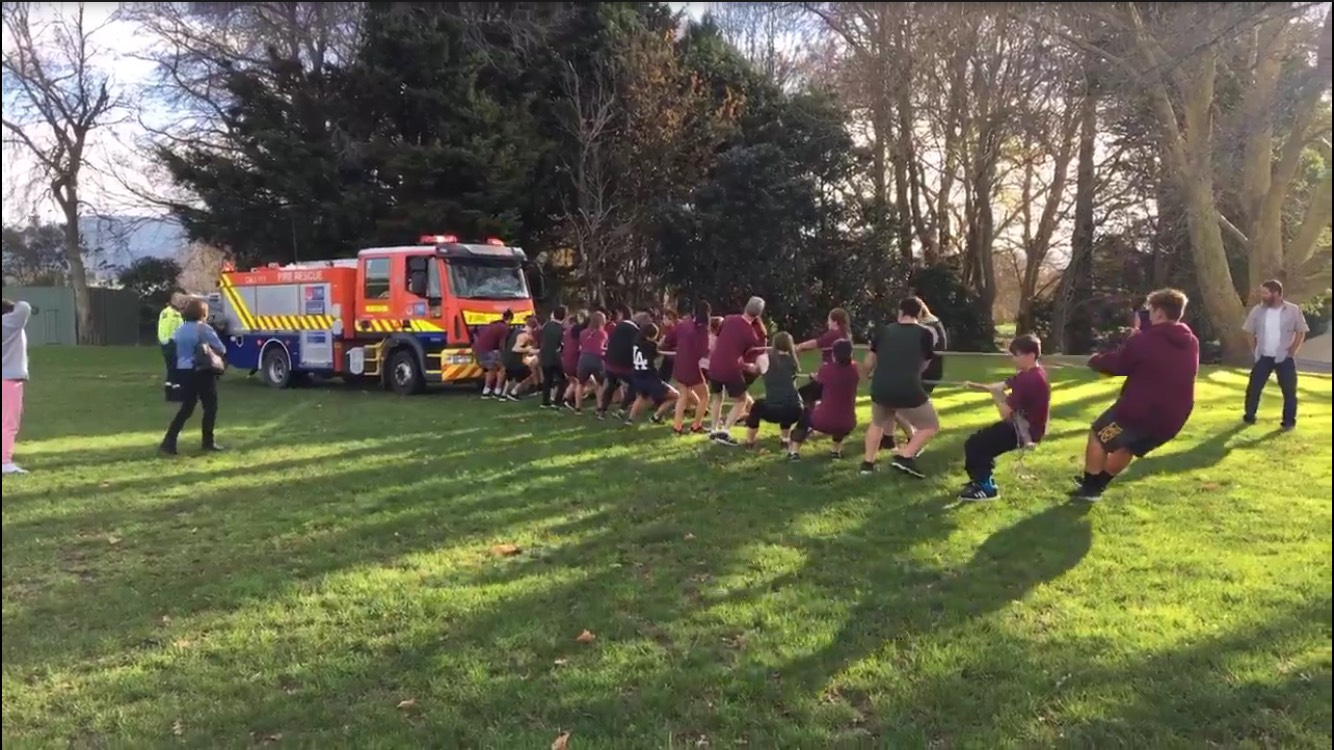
(56, 95)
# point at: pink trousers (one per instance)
(12, 399)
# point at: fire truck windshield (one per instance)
(472, 280)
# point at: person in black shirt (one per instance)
(548, 356)
(620, 359)
(646, 380)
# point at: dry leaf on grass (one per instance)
(505, 550)
(561, 662)
(689, 536)
(1210, 487)
(113, 540)
(177, 728)
(586, 637)
(275, 737)
(561, 742)
(407, 704)
(166, 619)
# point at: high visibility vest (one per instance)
(167, 322)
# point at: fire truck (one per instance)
(404, 316)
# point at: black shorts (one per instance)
(811, 392)
(651, 388)
(735, 388)
(517, 373)
(785, 418)
(1114, 436)
(666, 367)
(615, 379)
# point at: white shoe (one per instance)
(14, 469)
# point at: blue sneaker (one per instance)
(977, 493)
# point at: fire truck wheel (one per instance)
(276, 367)
(405, 375)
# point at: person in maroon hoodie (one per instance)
(837, 327)
(836, 412)
(1159, 364)
(727, 366)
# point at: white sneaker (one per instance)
(14, 469)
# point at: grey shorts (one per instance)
(920, 417)
(489, 360)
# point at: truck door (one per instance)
(375, 277)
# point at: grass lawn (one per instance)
(330, 581)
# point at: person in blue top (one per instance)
(198, 384)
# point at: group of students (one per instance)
(631, 361)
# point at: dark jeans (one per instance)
(553, 378)
(169, 359)
(200, 386)
(1287, 382)
(982, 448)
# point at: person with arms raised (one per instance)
(15, 349)
(1160, 364)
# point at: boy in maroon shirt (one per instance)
(836, 413)
(1023, 419)
(727, 373)
(1159, 364)
(486, 348)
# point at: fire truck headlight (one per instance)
(458, 359)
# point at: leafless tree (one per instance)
(588, 205)
(60, 95)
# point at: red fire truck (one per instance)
(405, 316)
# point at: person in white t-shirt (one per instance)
(1276, 329)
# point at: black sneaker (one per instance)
(793, 456)
(1287, 427)
(166, 450)
(1086, 493)
(628, 422)
(835, 453)
(722, 438)
(602, 415)
(1248, 419)
(907, 466)
(976, 493)
(569, 406)
(486, 396)
(655, 419)
(213, 448)
(868, 467)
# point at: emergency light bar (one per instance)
(438, 239)
(495, 241)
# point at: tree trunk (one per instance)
(1077, 274)
(78, 271)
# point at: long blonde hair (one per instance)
(783, 344)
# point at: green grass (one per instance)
(337, 562)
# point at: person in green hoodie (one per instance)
(167, 322)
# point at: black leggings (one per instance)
(811, 392)
(199, 386)
(784, 417)
(982, 448)
(553, 378)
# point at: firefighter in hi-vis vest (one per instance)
(167, 322)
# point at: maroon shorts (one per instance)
(688, 377)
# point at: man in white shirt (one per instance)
(1276, 329)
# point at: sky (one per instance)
(111, 149)
(115, 159)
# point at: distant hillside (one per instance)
(117, 241)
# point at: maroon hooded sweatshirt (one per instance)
(1159, 365)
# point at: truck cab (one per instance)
(440, 292)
